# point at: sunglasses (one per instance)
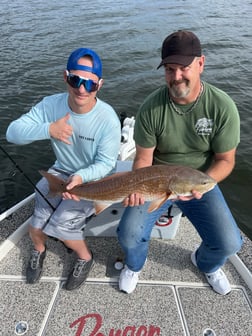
(76, 81)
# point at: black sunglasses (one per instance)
(76, 81)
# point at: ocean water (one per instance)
(37, 37)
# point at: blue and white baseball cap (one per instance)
(72, 63)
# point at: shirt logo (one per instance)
(86, 138)
(204, 126)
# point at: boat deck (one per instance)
(171, 299)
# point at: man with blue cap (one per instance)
(85, 136)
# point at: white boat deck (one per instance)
(171, 299)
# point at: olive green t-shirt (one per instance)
(191, 139)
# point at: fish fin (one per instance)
(172, 196)
(158, 202)
(101, 206)
(56, 184)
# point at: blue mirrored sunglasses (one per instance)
(76, 81)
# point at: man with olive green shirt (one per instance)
(187, 122)
(198, 135)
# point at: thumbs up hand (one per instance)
(61, 130)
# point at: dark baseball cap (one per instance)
(180, 47)
(72, 63)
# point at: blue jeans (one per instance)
(210, 216)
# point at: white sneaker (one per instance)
(217, 280)
(128, 280)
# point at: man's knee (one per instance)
(231, 247)
(36, 232)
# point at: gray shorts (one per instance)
(68, 220)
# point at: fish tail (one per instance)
(56, 184)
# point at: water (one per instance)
(37, 37)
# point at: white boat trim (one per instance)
(17, 206)
(242, 270)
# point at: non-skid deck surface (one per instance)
(171, 299)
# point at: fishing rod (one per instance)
(69, 250)
(27, 177)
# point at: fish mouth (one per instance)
(210, 186)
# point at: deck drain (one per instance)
(118, 265)
(21, 328)
(208, 332)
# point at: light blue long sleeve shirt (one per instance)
(95, 142)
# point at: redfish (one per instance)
(156, 183)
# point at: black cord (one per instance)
(27, 177)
